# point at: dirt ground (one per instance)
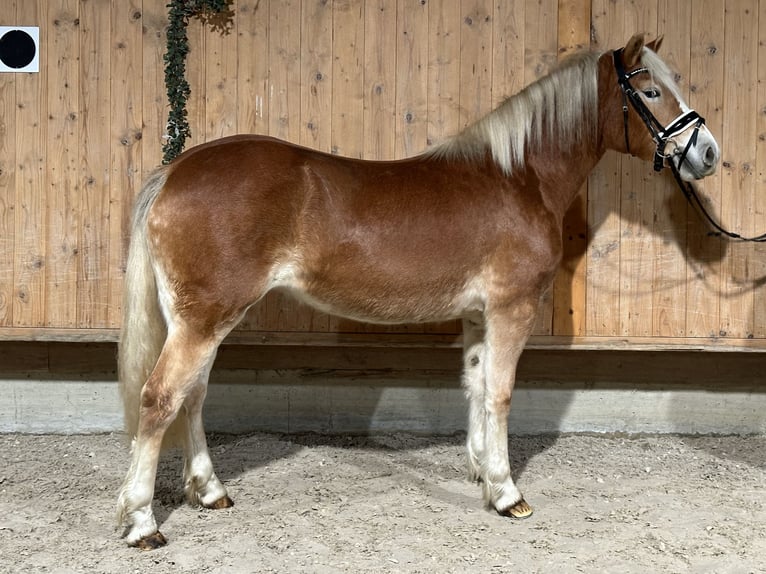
(395, 503)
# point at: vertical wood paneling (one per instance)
(221, 79)
(7, 187)
(669, 229)
(411, 77)
(126, 129)
(62, 209)
(604, 241)
(759, 201)
(508, 37)
(381, 79)
(285, 71)
(738, 145)
(155, 103)
(637, 211)
(703, 276)
(475, 76)
(316, 75)
(95, 110)
(196, 66)
(252, 65)
(348, 79)
(31, 185)
(444, 21)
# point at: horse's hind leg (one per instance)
(181, 371)
(201, 485)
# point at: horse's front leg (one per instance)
(507, 331)
(474, 381)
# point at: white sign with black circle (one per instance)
(19, 49)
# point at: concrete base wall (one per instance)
(306, 401)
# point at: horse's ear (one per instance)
(654, 45)
(632, 53)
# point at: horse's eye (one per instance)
(652, 93)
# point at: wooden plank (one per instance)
(220, 78)
(508, 37)
(7, 186)
(603, 256)
(126, 134)
(94, 172)
(637, 212)
(411, 340)
(284, 57)
(541, 39)
(317, 86)
(444, 65)
(252, 65)
(569, 284)
(347, 136)
(475, 59)
(31, 151)
(704, 253)
(62, 203)
(380, 80)
(669, 273)
(411, 78)
(738, 149)
(759, 202)
(154, 19)
(196, 67)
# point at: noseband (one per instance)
(662, 135)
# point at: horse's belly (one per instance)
(377, 298)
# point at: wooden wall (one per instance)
(378, 79)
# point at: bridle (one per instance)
(662, 135)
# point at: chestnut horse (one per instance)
(472, 229)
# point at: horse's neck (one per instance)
(561, 175)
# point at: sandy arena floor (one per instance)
(395, 503)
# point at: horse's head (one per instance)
(648, 116)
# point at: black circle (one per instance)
(17, 49)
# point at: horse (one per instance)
(471, 229)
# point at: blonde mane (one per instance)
(562, 106)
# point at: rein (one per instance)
(662, 135)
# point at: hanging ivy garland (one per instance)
(178, 90)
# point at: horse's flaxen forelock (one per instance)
(562, 106)
(661, 73)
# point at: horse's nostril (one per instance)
(711, 157)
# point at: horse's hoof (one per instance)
(151, 542)
(224, 502)
(519, 510)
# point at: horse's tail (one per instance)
(143, 326)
